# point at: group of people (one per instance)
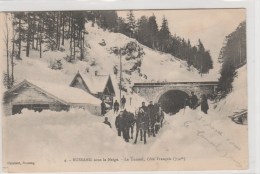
(116, 106)
(146, 120)
(193, 102)
(116, 109)
(124, 124)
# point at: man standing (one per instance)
(123, 101)
(116, 107)
(103, 108)
(204, 104)
(152, 117)
(120, 124)
(144, 107)
(129, 124)
(193, 100)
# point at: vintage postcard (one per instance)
(124, 90)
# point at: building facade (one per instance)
(40, 96)
(100, 86)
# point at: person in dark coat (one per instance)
(107, 122)
(120, 124)
(116, 107)
(103, 108)
(194, 101)
(204, 104)
(142, 125)
(152, 117)
(123, 102)
(159, 118)
(129, 124)
(144, 107)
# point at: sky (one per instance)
(209, 25)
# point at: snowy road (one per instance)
(50, 138)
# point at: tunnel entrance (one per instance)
(172, 101)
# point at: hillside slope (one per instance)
(236, 101)
(139, 63)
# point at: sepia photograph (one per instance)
(124, 90)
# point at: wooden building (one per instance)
(38, 96)
(100, 86)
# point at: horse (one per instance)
(142, 125)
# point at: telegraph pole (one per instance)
(120, 75)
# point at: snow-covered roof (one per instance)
(66, 94)
(96, 83)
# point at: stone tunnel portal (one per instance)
(172, 101)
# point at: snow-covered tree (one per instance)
(232, 56)
(164, 34)
(8, 39)
(131, 23)
(153, 31)
(142, 33)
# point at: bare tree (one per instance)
(14, 52)
(6, 42)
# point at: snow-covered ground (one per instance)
(190, 138)
(237, 99)
(58, 139)
(155, 65)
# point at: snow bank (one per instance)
(200, 136)
(37, 69)
(49, 138)
(236, 101)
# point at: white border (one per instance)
(253, 36)
(47, 5)
(257, 85)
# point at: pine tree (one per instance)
(131, 23)
(40, 32)
(164, 34)
(142, 33)
(19, 25)
(200, 58)
(28, 21)
(80, 23)
(234, 46)
(232, 56)
(50, 33)
(122, 26)
(108, 20)
(153, 31)
(6, 42)
(189, 53)
(147, 33)
(13, 53)
(227, 76)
